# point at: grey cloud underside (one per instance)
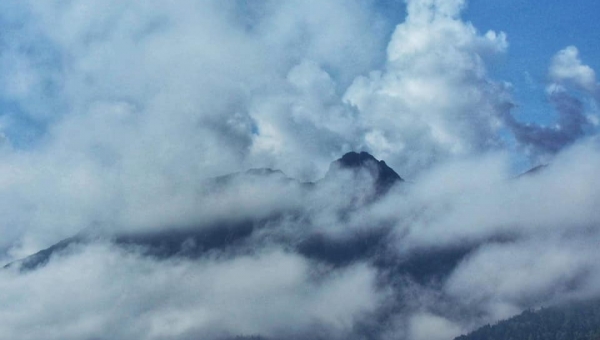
(572, 125)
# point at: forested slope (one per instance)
(575, 321)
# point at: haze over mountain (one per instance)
(405, 280)
(360, 170)
(301, 169)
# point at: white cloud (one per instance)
(101, 291)
(431, 327)
(142, 101)
(567, 67)
(434, 98)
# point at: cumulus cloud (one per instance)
(433, 99)
(567, 67)
(130, 106)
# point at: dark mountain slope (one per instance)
(575, 321)
(237, 235)
(193, 241)
(42, 257)
(296, 229)
(384, 177)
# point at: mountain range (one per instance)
(364, 180)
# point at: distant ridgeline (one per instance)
(196, 241)
(575, 321)
(354, 174)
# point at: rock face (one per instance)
(384, 176)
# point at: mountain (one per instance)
(225, 234)
(384, 177)
(43, 256)
(574, 321)
(299, 229)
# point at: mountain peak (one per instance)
(384, 176)
(354, 159)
